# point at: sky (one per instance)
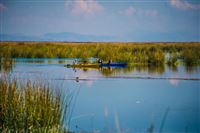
(124, 20)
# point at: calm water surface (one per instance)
(137, 99)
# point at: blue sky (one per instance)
(127, 20)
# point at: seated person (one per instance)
(110, 61)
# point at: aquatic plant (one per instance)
(6, 64)
(29, 107)
(190, 56)
(173, 59)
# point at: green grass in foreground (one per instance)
(29, 107)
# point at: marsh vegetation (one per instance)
(133, 53)
(30, 107)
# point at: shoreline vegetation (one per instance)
(131, 53)
(30, 107)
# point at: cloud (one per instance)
(84, 7)
(180, 4)
(3, 7)
(116, 118)
(106, 112)
(130, 11)
(147, 12)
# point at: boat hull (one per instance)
(121, 65)
(113, 65)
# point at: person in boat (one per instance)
(109, 61)
(100, 61)
(85, 62)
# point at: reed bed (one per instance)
(6, 64)
(29, 107)
(143, 53)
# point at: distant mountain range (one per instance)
(132, 37)
(62, 37)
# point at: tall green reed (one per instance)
(30, 107)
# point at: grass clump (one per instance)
(29, 107)
(6, 64)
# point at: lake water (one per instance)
(136, 99)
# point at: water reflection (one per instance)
(8, 64)
(173, 68)
(44, 60)
(128, 106)
(192, 69)
(151, 69)
(110, 71)
(174, 82)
